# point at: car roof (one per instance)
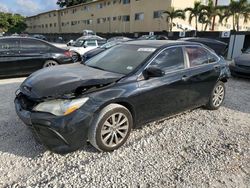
(199, 39)
(91, 37)
(159, 43)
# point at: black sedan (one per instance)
(241, 65)
(120, 89)
(21, 56)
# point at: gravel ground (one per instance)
(199, 148)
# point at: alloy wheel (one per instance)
(50, 64)
(218, 95)
(114, 129)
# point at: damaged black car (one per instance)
(118, 90)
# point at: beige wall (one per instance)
(77, 18)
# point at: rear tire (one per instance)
(217, 96)
(111, 128)
(50, 63)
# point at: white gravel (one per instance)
(195, 149)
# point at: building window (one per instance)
(114, 18)
(114, 2)
(126, 18)
(125, 1)
(99, 6)
(54, 24)
(157, 14)
(73, 22)
(98, 20)
(139, 16)
(89, 22)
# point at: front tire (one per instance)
(111, 128)
(217, 96)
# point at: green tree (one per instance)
(12, 23)
(69, 3)
(208, 13)
(194, 13)
(171, 15)
(236, 10)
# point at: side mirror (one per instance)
(152, 72)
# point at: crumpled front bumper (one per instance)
(59, 134)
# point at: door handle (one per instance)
(185, 78)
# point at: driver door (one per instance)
(168, 94)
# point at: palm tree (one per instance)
(208, 12)
(195, 13)
(237, 9)
(171, 15)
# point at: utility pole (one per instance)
(213, 24)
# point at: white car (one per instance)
(86, 43)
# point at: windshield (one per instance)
(109, 44)
(79, 43)
(121, 59)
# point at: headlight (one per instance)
(60, 107)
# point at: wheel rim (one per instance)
(50, 64)
(218, 95)
(114, 129)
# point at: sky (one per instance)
(33, 7)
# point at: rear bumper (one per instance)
(59, 134)
(240, 72)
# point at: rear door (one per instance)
(9, 56)
(204, 71)
(33, 54)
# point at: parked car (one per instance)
(85, 44)
(102, 48)
(218, 46)
(104, 99)
(21, 56)
(119, 38)
(153, 37)
(41, 37)
(88, 33)
(241, 65)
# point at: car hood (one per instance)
(244, 59)
(63, 80)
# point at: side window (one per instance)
(101, 42)
(171, 58)
(197, 55)
(212, 58)
(90, 43)
(9, 44)
(34, 45)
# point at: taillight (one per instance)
(68, 53)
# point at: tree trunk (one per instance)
(171, 25)
(238, 22)
(206, 27)
(196, 25)
(233, 22)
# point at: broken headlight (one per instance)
(60, 107)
